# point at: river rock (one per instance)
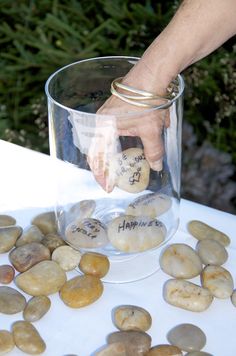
(131, 317)
(198, 353)
(135, 234)
(187, 295)
(211, 252)
(30, 234)
(36, 308)
(8, 237)
(115, 349)
(83, 209)
(203, 231)
(95, 264)
(136, 342)
(46, 222)
(86, 233)
(44, 278)
(7, 220)
(187, 337)
(218, 280)
(7, 274)
(53, 241)
(131, 170)
(164, 350)
(28, 255)
(6, 342)
(151, 205)
(11, 301)
(67, 257)
(233, 298)
(180, 261)
(27, 338)
(81, 291)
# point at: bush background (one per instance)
(38, 37)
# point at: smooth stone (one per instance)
(30, 234)
(86, 233)
(233, 298)
(46, 222)
(198, 353)
(202, 231)
(45, 278)
(11, 301)
(8, 237)
(131, 317)
(36, 308)
(136, 234)
(211, 252)
(115, 349)
(136, 342)
(81, 291)
(53, 241)
(28, 255)
(131, 170)
(67, 257)
(180, 261)
(95, 264)
(186, 295)
(7, 220)
(218, 280)
(83, 209)
(7, 274)
(27, 338)
(151, 204)
(187, 337)
(6, 342)
(164, 350)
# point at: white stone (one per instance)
(83, 209)
(218, 280)
(67, 257)
(211, 252)
(151, 204)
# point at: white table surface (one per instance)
(26, 178)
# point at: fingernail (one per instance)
(157, 166)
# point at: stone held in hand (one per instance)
(7, 220)
(187, 337)
(8, 237)
(36, 308)
(67, 257)
(95, 264)
(30, 234)
(151, 204)
(202, 231)
(211, 252)
(131, 317)
(6, 342)
(7, 274)
(136, 342)
(46, 222)
(11, 301)
(27, 338)
(218, 281)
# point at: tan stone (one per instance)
(115, 349)
(187, 337)
(131, 317)
(136, 342)
(151, 204)
(11, 301)
(36, 308)
(218, 281)
(27, 338)
(67, 257)
(53, 241)
(6, 342)
(95, 264)
(203, 231)
(7, 274)
(8, 237)
(164, 350)
(7, 220)
(211, 252)
(30, 234)
(83, 209)
(46, 222)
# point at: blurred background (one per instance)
(39, 36)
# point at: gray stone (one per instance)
(187, 337)
(53, 241)
(7, 220)
(8, 237)
(30, 234)
(46, 222)
(136, 342)
(11, 301)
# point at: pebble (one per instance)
(136, 234)
(8, 237)
(180, 261)
(131, 317)
(6, 342)
(7, 220)
(81, 291)
(11, 301)
(36, 308)
(30, 234)
(187, 337)
(136, 342)
(151, 204)
(203, 231)
(187, 295)
(115, 349)
(86, 233)
(95, 264)
(53, 241)
(28, 255)
(27, 338)
(164, 350)
(131, 170)
(44, 278)
(83, 209)
(198, 353)
(233, 298)
(218, 280)
(7, 274)
(46, 222)
(67, 257)
(211, 252)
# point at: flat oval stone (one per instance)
(180, 261)
(135, 234)
(203, 231)
(30, 234)
(95, 264)
(115, 349)
(7, 220)
(187, 295)
(11, 301)
(28, 255)
(86, 233)
(83, 209)
(27, 338)
(53, 241)
(46, 222)
(131, 170)
(81, 291)
(45, 278)
(233, 298)
(67, 257)
(136, 342)
(36, 308)
(187, 337)
(7, 274)
(164, 350)
(218, 280)
(211, 252)
(8, 237)
(198, 353)
(151, 205)
(131, 317)
(6, 342)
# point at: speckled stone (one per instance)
(30, 234)
(115, 349)
(218, 280)
(6, 342)
(8, 237)
(46, 222)
(211, 252)
(198, 353)
(7, 274)
(131, 317)
(151, 204)
(67, 257)
(27, 338)
(36, 308)
(164, 350)
(136, 342)
(233, 298)
(53, 241)
(7, 220)
(187, 337)
(11, 301)
(203, 231)
(83, 209)
(95, 264)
